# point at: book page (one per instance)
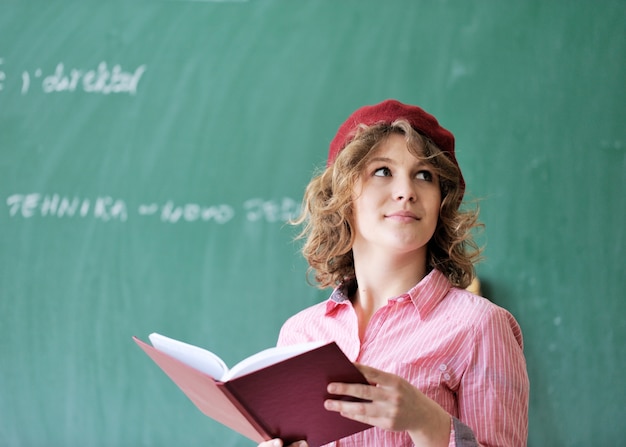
(198, 358)
(268, 357)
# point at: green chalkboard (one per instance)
(152, 151)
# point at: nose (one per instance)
(404, 189)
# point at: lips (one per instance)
(402, 215)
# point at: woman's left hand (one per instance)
(394, 404)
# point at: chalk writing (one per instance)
(192, 212)
(102, 208)
(104, 79)
(106, 208)
(3, 75)
(272, 210)
(101, 80)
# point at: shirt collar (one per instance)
(425, 295)
(341, 295)
(429, 292)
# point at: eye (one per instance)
(425, 175)
(382, 172)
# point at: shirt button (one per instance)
(443, 367)
(446, 376)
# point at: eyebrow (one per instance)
(418, 162)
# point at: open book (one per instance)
(209, 363)
(276, 393)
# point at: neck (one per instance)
(382, 277)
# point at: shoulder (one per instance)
(311, 312)
(483, 316)
(297, 327)
(477, 307)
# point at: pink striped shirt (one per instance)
(459, 349)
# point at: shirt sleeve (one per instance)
(493, 393)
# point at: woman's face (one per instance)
(396, 202)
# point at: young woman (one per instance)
(384, 228)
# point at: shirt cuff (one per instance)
(461, 435)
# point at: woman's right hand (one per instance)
(279, 443)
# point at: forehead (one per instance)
(397, 145)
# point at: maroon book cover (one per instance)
(284, 400)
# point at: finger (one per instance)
(272, 443)
(370, 373)
(347, 409)
(375, 376)
(279, 443)
(355, 390)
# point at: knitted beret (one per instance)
(387, 112)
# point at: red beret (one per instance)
(387, 112)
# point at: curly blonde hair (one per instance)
(327, 212)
